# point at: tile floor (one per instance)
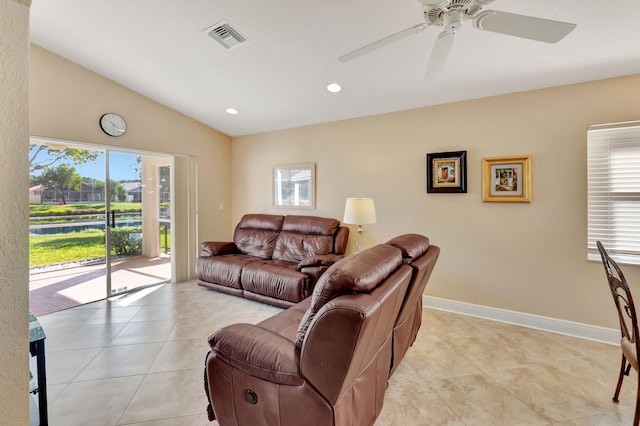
(139, 361)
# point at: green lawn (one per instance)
(52, 249)
(68, 247)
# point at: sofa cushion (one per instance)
(277, 279)
(304, 236)
(286, 323)
(357, 273)
(223, 270)
(411, 245)
(256, 234)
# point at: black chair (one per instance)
(628, 323)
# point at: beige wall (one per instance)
(14, 187)
(522, 257)
(66, 102)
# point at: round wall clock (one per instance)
(113, 124)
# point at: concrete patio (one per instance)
(55, 290)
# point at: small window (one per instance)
(613, 185)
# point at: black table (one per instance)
(36, 348)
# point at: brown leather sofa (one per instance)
(273, 259)
(327, 359)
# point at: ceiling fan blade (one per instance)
(383, 42)
(523, 26)
(439, 55)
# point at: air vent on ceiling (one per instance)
(226, 35)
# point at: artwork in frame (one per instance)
(294, 186)
(506, 179)
(447, 172)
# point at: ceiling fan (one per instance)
(450, 14)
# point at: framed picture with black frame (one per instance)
(447, 172)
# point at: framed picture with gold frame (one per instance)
(506, 179)
(447, 171)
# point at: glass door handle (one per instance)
(113, 218)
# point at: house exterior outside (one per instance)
(88, 193)
(35, 194)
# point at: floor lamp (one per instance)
(359, 211)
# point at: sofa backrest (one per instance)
(256, 234)
(303, 236)
(340, 240)
(346, 332)
(414, 247)
(418, 253)
(358, 273)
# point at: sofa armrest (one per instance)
(214, 248)
(319, 260)
(258, 352)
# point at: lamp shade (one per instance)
(359, 211)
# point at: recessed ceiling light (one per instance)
(232, 111)
(334, 87)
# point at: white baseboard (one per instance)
(553, 325)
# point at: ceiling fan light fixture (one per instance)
(452, 21)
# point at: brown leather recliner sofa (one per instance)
(273, 259)
(325, 360)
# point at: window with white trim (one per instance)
(613, 186)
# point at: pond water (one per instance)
(64, 228)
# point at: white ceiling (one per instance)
(159, 49)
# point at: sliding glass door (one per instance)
(100, 223)
(138, 221)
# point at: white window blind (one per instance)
(613, 183)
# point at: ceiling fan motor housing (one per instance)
(451, 13)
